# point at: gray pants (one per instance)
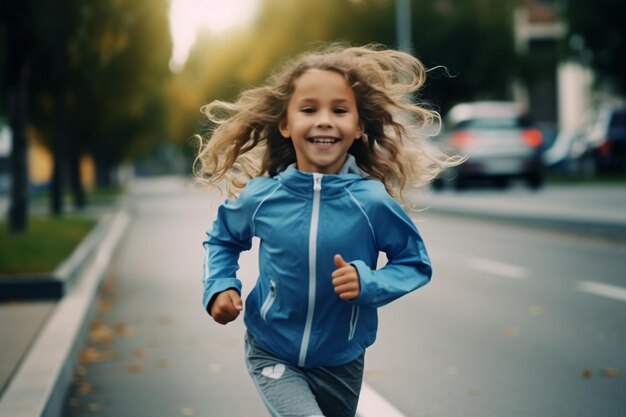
(291, 391)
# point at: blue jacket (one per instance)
(302, 220)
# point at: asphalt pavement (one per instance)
(40, 340)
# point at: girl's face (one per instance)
(322, 121)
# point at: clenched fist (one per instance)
(345, 279)
(226, 306)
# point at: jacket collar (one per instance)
(301, 182)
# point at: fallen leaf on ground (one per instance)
(165, 320)
(100, 333)
(85, 388)
(133, 368)
(108, 285)
(611, 372)
(139, 353)
(586, 373)
(104, 304)
(512, 331)
(124, 329)
(535, 310)
(94, 407)
(90, 354)
(188, 411)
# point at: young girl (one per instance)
(319, 151)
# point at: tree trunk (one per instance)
(15, 17)
(59, 152)
(18, 95)
(76, 184)
(103, 172)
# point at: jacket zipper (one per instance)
(317, 187)
(354, 319)
(267, 304)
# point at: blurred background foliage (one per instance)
(471, 38)
(93, 76)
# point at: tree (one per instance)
(473, 39)
(130, 66)
(104, 64)
(94, 73)
(18, 43)
(596, 36)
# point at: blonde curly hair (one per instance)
(245, 141)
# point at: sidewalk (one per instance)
(598, 211)
(40, 340)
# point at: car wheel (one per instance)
(587, 166)
(502, 183)
(534, 181)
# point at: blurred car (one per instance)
(606, 136)
(499, 141)
(571, 154)
(599, 145)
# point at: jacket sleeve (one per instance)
(408, 266)
(230, 234)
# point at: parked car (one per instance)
(569, 154)
(606, 136)
(499, 140)
(598, 145)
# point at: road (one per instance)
(516, 322)
(508, 327)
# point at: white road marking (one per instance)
(372, 404)
(497, 268)
(601, 289)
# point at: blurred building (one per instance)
(558, 93)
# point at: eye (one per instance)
(308, 110)
(340, 110)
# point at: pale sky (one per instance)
(189, 16)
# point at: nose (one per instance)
(323, 119)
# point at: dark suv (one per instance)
(607, 137)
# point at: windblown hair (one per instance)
(395, 149)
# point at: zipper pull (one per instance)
(317, 181)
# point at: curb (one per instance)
(52, 286)
(39, 386)
(570, 224)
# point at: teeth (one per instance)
(323, 141)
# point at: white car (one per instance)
(499, 141)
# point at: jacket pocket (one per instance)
(354, 319)
(269, 300)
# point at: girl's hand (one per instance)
(345, 279)
(226, 306)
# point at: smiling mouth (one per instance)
(323, 141)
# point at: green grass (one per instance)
(104, 194)
(95, 196)
(47, 242)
